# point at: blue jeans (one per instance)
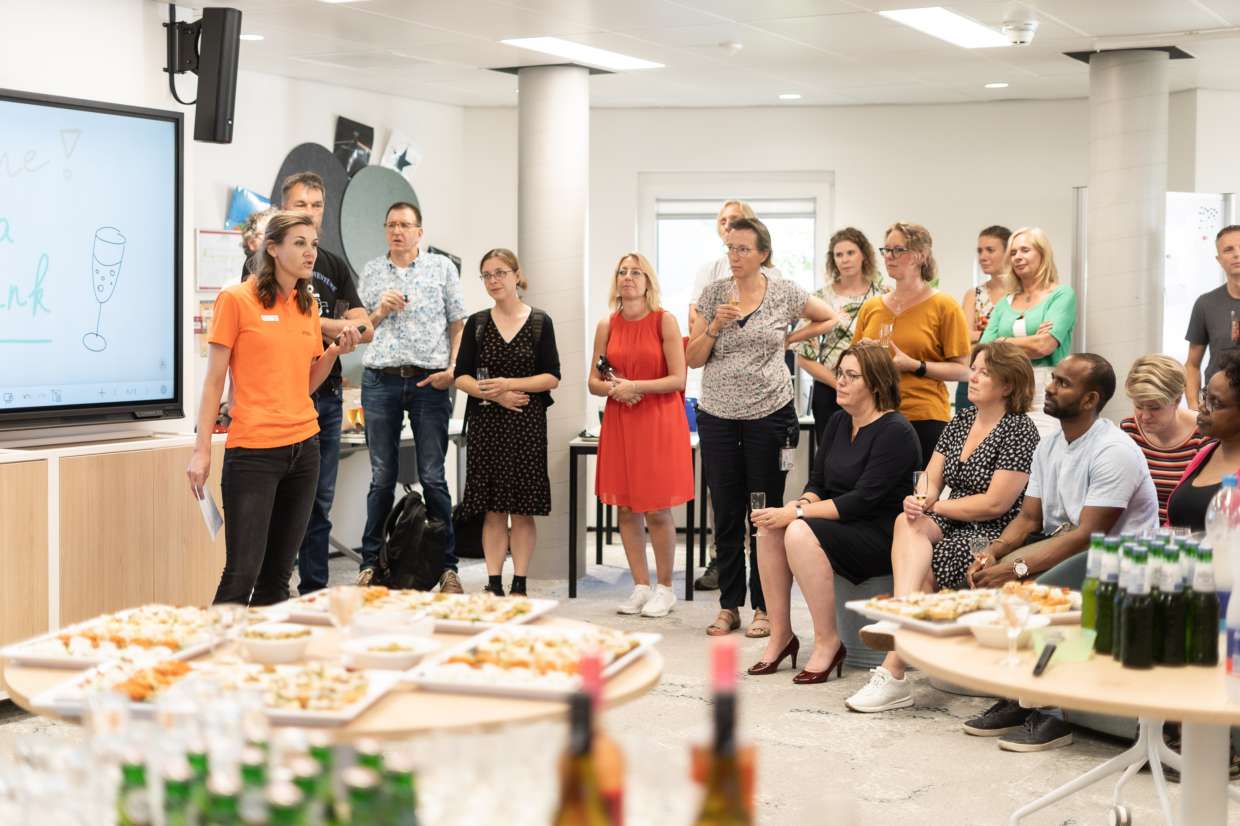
(385, 401)
(315, 547)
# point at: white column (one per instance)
(1128, 112)
(553, 189)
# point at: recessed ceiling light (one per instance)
(937, 21)
(790, 96)
(580, 53)
(997, 85)
(251, 37)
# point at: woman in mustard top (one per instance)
(925, 330)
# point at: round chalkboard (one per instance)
(366, 200)
(311, 157)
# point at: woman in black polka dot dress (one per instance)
(506, 464)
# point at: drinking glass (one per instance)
(343, 601)
(884, 333)
(483, 375)
(734, 295)
(1016, 610)
(757, 501)
(921, 486)
(978, 544)
(107, 255)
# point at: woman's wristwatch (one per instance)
(800, 511)
(921, 369)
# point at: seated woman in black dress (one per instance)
(842, 523)
(1218, 418)
(984, 456)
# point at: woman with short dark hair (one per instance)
(842, 523)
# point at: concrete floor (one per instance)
(818, 763)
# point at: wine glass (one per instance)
(1016, 610)
(483, 375)
(734, 295)
(343, 601)
(921, 486)
(978, 543)
(107, 254)
(757, 501)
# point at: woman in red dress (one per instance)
(645, 466)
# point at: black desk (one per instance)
(578, 449)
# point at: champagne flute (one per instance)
(1016, 610)
(343, 601)
(734, 295)
(483, 375)
(921, 486)
(757, 501)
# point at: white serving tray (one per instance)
(947, 628)
(427, 675)
(25, 653)
(67, 700)
(314, 612)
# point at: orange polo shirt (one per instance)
(272, 351)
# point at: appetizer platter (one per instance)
(527, 662)
(939, 613)
(453, 613)
(155, 630)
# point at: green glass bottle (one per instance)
(365, 800)
(1175, 613)
(253, 786)
(322, 751)
(1126, 552)
(1160, 592)
(370, 754)
(308, 778)
(223, 801)
(1203, 611)
(1108, 584)
(285, 804)
(196, 754)
(1089, 588)
(133, 800)
(1137, 642)
(178, 795)
(400, 795)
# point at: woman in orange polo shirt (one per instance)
(266, 331)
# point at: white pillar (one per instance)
(553, 188)
(1128, 112)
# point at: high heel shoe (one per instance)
(807, 677)
(790, 650)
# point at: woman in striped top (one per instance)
(1165, 431)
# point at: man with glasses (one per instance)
(1215, 320)
(339, 306)
(418, 313)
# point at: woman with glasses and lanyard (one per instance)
(924, 329)
(1218, 418)
(746, 415)
(855, 279)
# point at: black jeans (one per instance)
(739, 457)
(268, 494)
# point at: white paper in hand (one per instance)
(211, 514)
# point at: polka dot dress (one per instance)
(506, 462)
(1009, 446)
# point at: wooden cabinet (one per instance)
(23, 550)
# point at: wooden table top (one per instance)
(1195, 694)
(405, 710)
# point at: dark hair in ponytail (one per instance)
(265, 270)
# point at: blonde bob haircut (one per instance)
(917, 239)
(743, 206)
(1048, 274)
(510, 261)
(1155, 379)
(652, 281)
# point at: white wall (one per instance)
(1217, 155)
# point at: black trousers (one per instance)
(741, 456)
(823, 404)
(267, 497)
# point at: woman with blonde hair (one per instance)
(854, 280)
(1039, 315)
(506, 462)
(645, 466)
(1165, 430)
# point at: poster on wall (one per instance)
(354, 143)
(401, 154)
(1193, 219)
(219, 258)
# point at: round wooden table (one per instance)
(405, 710)
(1193, 695)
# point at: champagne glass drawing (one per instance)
(107, 254)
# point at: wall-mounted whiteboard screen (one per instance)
(1193, 219)
(89, 262)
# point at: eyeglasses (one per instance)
(846, 376)
(743, 252)
(1207, 402)
(496, 275)
(894, 252)
(392, 226)
(632, 273)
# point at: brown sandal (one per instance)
(760, 627)
(729, 620)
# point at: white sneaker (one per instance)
(660, 605)
(636, 601)
(883, 693)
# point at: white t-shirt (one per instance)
(1103, 468)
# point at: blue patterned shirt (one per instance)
(418, 334)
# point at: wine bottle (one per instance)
(581, 803)
(608, 758)
(724, 800)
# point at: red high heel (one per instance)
(807, 677)
(790, 650)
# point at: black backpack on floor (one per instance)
(413, 546)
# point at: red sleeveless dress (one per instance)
(644, 460)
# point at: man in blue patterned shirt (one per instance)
(416, 308)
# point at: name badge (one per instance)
(271, 318)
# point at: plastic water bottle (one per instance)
(1222, 534)
(1231, 650)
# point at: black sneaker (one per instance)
(1041, 732)
(1003, 717)
(709, 580)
